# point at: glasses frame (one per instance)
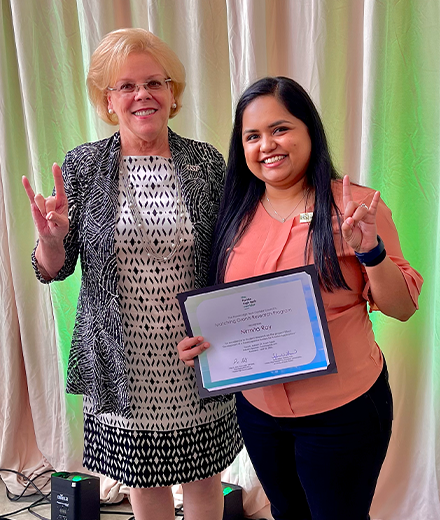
(137, 87)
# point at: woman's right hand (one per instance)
(189, 348)
(51, 220)
(50, 214)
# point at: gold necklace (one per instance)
(283, 219)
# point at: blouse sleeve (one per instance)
(386, 229)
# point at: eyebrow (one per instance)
(272, 125)
(154, 76)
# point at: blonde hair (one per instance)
(109, 57)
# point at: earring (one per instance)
(110, 111)
(174, 105)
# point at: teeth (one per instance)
(145, 112)
(271, 160)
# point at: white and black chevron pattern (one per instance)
(151, 459)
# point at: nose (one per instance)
(268, 143)
(141, 90)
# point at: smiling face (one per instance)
(143, 115)
(276, 144)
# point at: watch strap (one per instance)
(373, 257)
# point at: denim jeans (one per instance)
(323, 466)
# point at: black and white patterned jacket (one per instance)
(91, 176)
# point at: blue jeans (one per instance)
(323, 466)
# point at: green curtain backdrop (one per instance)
(372, 68)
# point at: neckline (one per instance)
(125, 157)
(308, 209)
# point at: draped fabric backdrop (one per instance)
(372, 68)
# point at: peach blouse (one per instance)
(268, 246)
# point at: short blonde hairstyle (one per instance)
(110, 56)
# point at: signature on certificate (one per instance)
(280, 355)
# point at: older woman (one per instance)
(138, 209)
(317, 444)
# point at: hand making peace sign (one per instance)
(359, 225)
(50, 214)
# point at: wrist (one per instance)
(373, 257)
(50, 247)
(49, 258)
(43, 272)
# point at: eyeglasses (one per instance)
(153, 85)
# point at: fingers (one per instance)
(40, 202)
(351, 208)
(58, 181)
(49, 214)
(29, 191)
(347, 228)
(354, 214)
(346, 191)
(357, 212)
(374, 203)
(59, 220)
(337, 228)
(189, 348)
(51, 204)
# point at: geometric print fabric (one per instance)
(158, 442)
(152, 459)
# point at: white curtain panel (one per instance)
(346, 54)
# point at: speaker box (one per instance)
(74, 496)
(233, 496)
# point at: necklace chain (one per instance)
(283, 219)
(140, 222)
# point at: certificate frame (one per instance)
(323, 362)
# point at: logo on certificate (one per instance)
(248, 302)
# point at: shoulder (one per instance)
(192, 148)
(88, 152)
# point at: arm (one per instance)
(389, 290)
(387, 283)
(52, 224)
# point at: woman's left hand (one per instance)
(359, 227)
(189, 348)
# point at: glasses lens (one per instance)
(127, 88)
(153, 84)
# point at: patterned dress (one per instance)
(173, 437)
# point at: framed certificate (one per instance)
(263, 330)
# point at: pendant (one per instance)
(305, 217)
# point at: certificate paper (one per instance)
(264, 330)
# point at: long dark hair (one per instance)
(243, 190)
